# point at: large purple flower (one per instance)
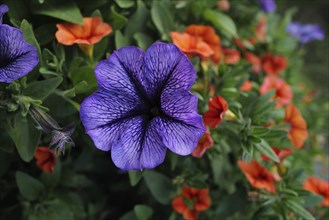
(305, 32)
(17, 58)
(267, 5)
(143, 106)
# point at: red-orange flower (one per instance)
(90, 32)
(231, 56)
(283, 92)
(247, 86)
(46, 159)
(298, 128)
(205, 142)
(260, 31)
(257, 175)
(199, 40)
(320, 187)
(274, 64)
(199, 198)
(255, 61)
(281, 153)
(217, 107)
(86, 35)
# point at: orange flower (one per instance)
(205, 142)
(247, 86)
(260, 31)
(281, 153)
(274, 64)
(217, 107)
(199, 40)
(46, 159)
(223, 5)
(199, 198)
(231, 56)
(255, 61)
(298, 128)
(283, 91)
(257, 175)
(89, 33)
(319, 187)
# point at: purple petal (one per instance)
(181, 137)
(3, 10)
(103, 114)
(17, 58)
(167, 68)
(267, 5)
(121, 72)
(140, 146)
(179, 105)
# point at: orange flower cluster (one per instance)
(257, 175)
(283, 92)
(319, 187)
(271, 64)
(46, 159)
(201, 40)
(198, 200)
(298, 127)
(217, 107)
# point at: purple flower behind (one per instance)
(267, 5)
(17, 58)
(143, 106)
(305, 32)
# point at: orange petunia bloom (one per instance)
(283, 92)
(217, 107)
(46, 159)
(199, 198)
(255, 61)
(281, 153)
(247, 86)
(205, 142)
(260, 31)
(89, 33)
(320, 187)
(274, 64)
(231, 56)
(257, 175)
(298, 128)
(199, 40)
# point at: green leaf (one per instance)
(134, 177)
(312, 200)
(117, 20)
(65, 10)
(125, 3)
(120, 40)
(42, 89)
(275, 133)
(24, 134)
(45, 33)
(137, 21)
(143, 212)
(52, 210)
(29, 37)
(265, 149)
(29, 187)
(143, 40)
(52, 180)
(162, 18)
(221, 21)
(129, 216)
(18, 9)
(159, 185)
(299, 210)
(81, 87)
(260, 131)
(85, 73)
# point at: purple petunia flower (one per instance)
(305, 32)
(267, 5)
(17, 58)
(143, 106)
